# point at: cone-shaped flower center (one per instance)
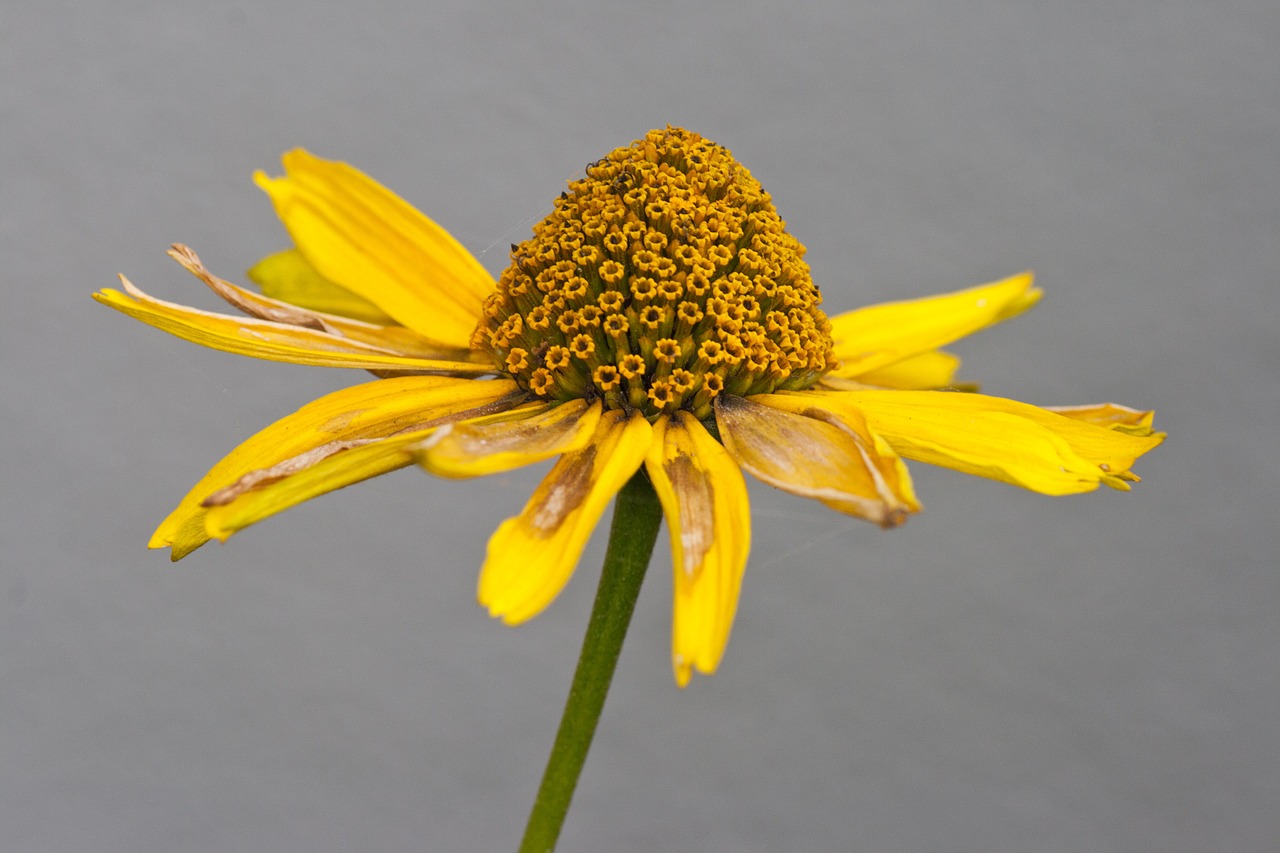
(663, 278)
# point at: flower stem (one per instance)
(636, 518)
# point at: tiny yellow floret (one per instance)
(660, 264)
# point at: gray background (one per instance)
(1007, 672)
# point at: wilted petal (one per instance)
(272, 341)
(800, 448)
(389, 338)
(338, 423)
(873, 337)
(310, 475)
(1110, 415)
(532, 555)
(362, 236)
(705, 503)
(477, 449)
(998, 438)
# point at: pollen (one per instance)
(661, 279)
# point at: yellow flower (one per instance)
(660, 317)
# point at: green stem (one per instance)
(636, 518)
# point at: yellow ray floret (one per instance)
(879, 335)
(360, 235)
(924, 371)
(1112, 416)
(527, 436)
(331, 467)
(336, 423)
(1002, 439)
(384, 333)
(704, 500)
(288, 276)
(532, 555)
(792, 443)
(270, 340)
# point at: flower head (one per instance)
(660, 317)
(668, 278)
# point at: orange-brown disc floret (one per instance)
(661, 279)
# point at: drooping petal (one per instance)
(270, 340)
(928, 370)
(477, 449)
(335, 424)
(362, 236)
(532, 555)
(290, 277)
(873, 337)
(1111, 416)
(794, 443)
(1002, 439)
(704, 500)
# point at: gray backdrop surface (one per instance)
(1007, 672)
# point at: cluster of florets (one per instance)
(661, 279)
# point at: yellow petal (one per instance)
(477, 449)
(1002, 439)
(269, 340)
(362, 236)
(532, 555)
(793, 443)
(335, 466)
(393, 338)
(925, 371)
(1111, 416)
(289, 277)
(704, 500)
(879, 335)
(334, 424)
